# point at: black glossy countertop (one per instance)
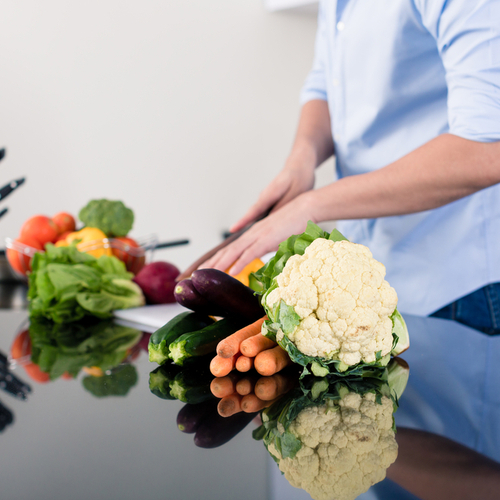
(64, 442)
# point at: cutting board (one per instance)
(148, 318)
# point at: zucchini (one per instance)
(202, 342)
(160, 340)
(226, 292)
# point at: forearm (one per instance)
(313, 143)
(434, 467)
(439, 172)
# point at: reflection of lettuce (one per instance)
(59, 348)
(117, 383)
(65, 285)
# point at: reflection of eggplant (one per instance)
(191, 416)
(6, 417)
(215, 430)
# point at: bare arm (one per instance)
(443, 170)
(439, 172)
(313, 145)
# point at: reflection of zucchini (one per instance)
(161, 339)
(161, 378)
(203, 341)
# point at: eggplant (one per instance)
(226, 292)
(186, 295)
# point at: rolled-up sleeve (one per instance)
(315, 84)
(467, 33)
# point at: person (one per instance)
(406, 95)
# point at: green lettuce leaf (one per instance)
(66, 285)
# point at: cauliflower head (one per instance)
(347, 445)
(342, 301)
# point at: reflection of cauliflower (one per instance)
(347, 445)
(343, 303)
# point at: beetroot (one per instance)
(157, 281)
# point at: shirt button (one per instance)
(340, 26)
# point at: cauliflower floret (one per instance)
(346, 447)
(344, 303)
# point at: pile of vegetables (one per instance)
(106, 224)
(208, 293)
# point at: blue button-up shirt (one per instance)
(396, 74)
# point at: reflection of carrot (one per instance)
(251, 403)
(231, 345)
(271, 361)
(222, 386)
(253, 345)
(245, 385)
(229, 405)
(268, 388)
(244, 364)
(220, 367)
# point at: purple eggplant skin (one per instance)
(186, 295)
(191, 416)
(215, 430)
(228, 293)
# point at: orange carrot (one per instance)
(268, 388)
(229, 405)
(223, 386)
(244, 364)
(271, 361)
(251, 403)
(220, 367)
(253, 345)
(229, 346)
(245, 385)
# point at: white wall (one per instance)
(184, 110)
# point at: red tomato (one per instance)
(65, 222)
(41, 228)
(19, 260)
(63, 236)
(134, 260)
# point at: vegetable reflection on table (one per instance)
(100, 348)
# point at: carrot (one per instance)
(268, 388)
(223, 386)
(251, 403)
(245, 385)
(229, 405)
(253, 345)
(229, 346)
(220, 367)
(271, 361)
(244, 364)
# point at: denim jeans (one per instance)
(479, 310)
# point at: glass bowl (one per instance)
(19, 255)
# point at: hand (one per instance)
(266, 235)
(292, 181)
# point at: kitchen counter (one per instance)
(64, 442)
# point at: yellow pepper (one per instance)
(244, 275)
(89, 240)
